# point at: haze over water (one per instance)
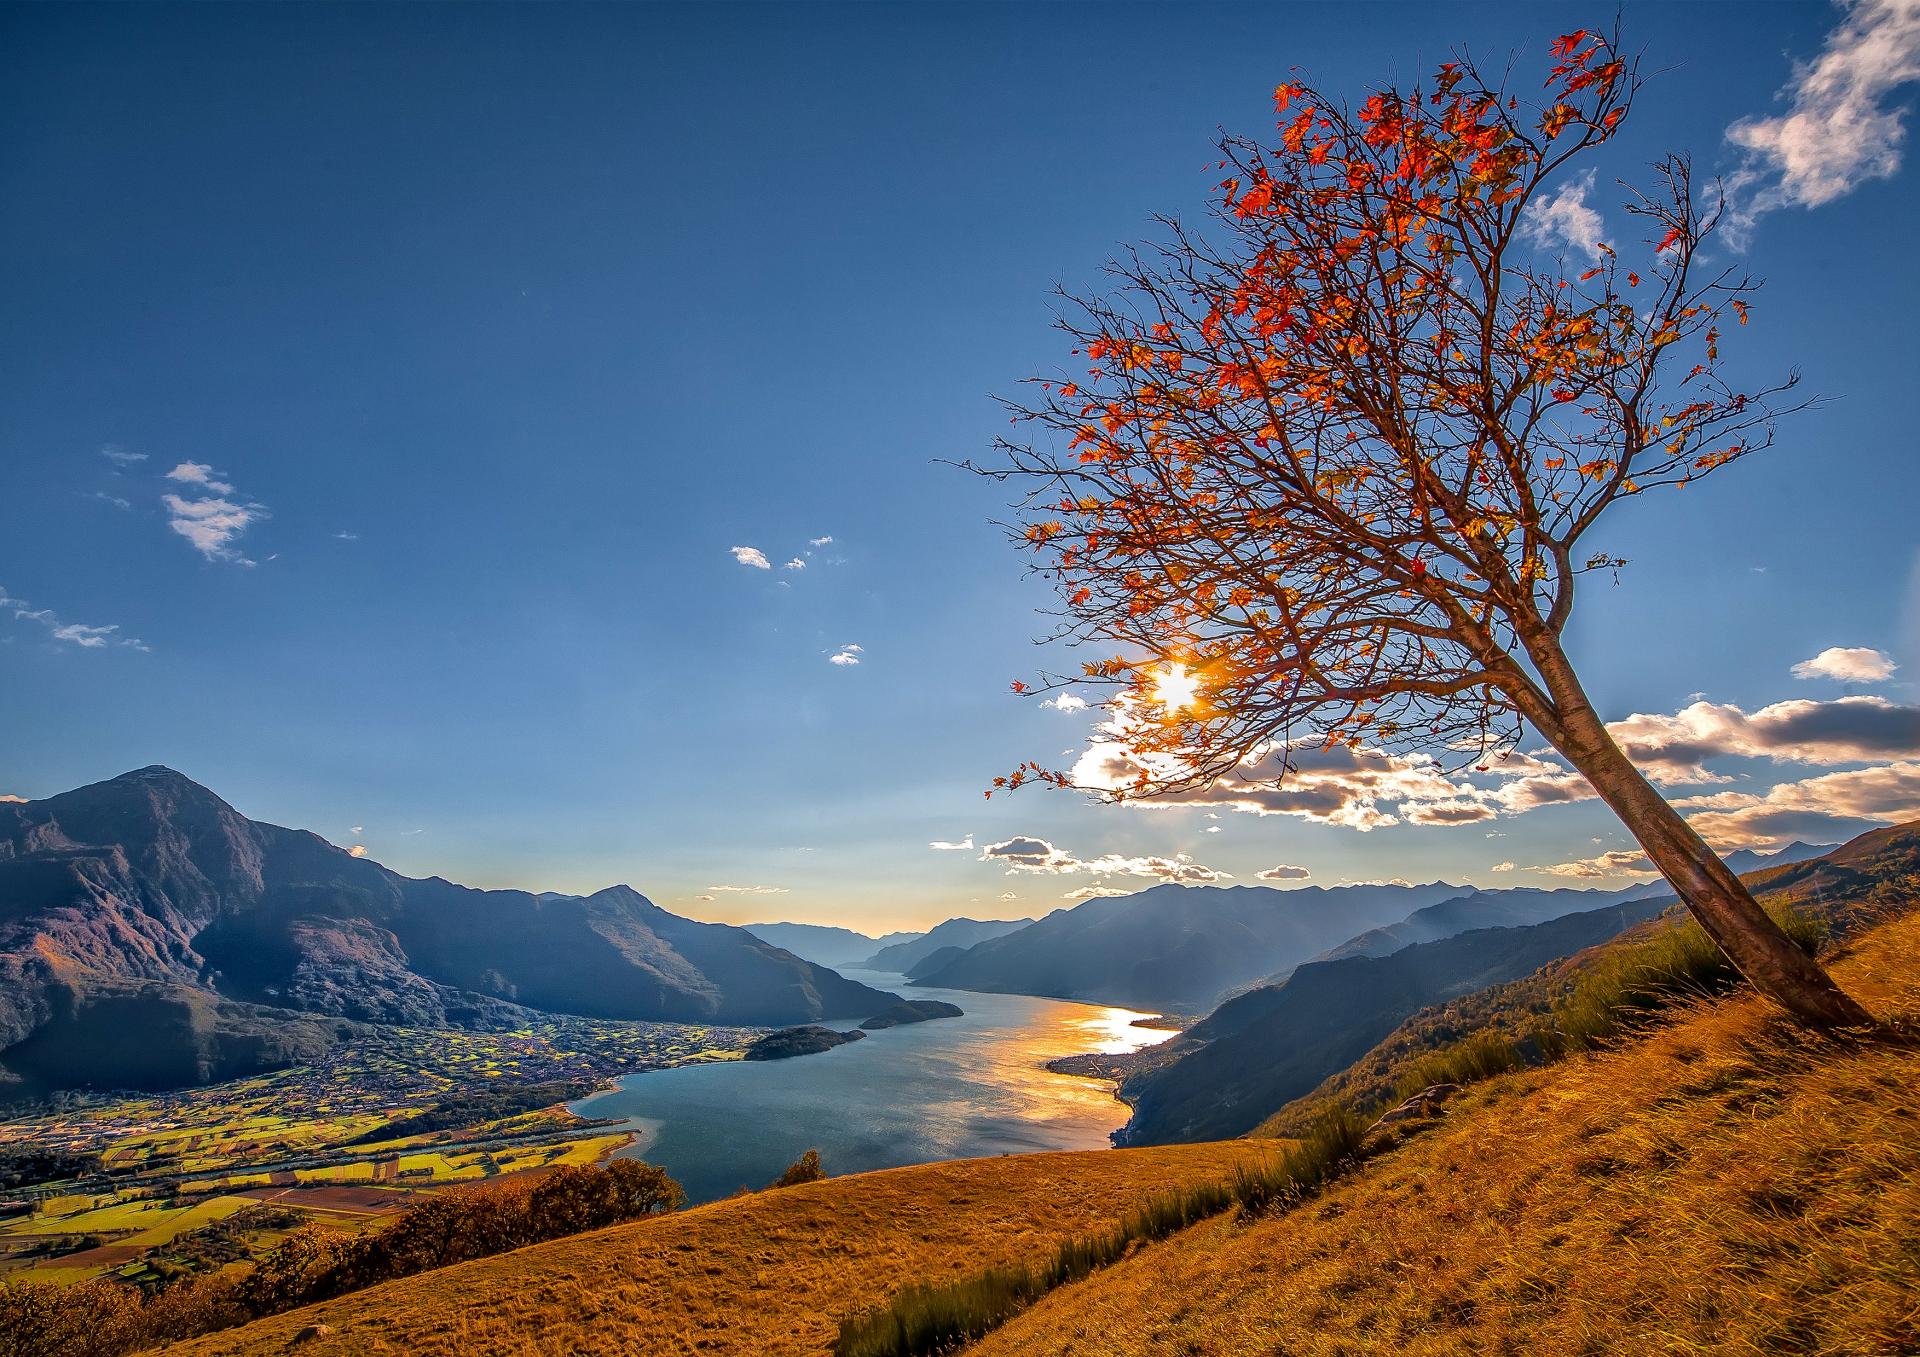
(953, 1088)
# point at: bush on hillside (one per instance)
(805, 1169)
(102, 1318)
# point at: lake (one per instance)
(952, 1088)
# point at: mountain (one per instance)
(147, 904)
(1744, 860)
(1176, 946)
(1514, 908)
(934, 961)
(906, 955)
(825, 945)
(1518, 906)
(1225, 1074)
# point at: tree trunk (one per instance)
(1756, 945)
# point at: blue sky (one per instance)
(502, 327)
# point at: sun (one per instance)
(1175, 689)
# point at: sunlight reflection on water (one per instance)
(947, 1089)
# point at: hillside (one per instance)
(146, 903)
(907, 955)
(1270, 1045)
(755, 1275)
(1725, 1184)
(1845, 889)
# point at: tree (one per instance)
(805, 1169)
(1329, 475)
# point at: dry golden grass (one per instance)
(1727, 1185)
(770, 1273)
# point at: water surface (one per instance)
(952, 1088)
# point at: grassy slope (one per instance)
(768, 1273)
(1728, 1185)
(1872, 877)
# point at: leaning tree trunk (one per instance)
(1725, 908)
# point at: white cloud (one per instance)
(1839, 130)
(795, 564)
(747, 890)
(1617, 862)
(357, 851)
(1009, 895)
(1503, 867)
(944, 846)
(92, 638)
(199, 473)
(1565, 219)
(1816, 808)
(1368, 789)
(820, 541)
(212, 525)
(1285, 871)
(213, 522)
(70, 633)
(114, 500)
(1066, 702)
(357, 829)
(846, 655)
(1849, 664)
(1361, 789)
(344, 536)
(752, 556)
(119, 456)
(1097, 892)
(1846, 730)
(1025, 853)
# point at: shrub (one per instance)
(805, 1169)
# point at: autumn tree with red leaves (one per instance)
(1328, 475)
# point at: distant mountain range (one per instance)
(1183, 947)
(1480, 909)
(826, 945)
(1187, 948)
(151, 935)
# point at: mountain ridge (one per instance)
(148, 888)
(961, 932)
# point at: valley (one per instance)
(334, 1141)
(1287, 1005)
(959, 680)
